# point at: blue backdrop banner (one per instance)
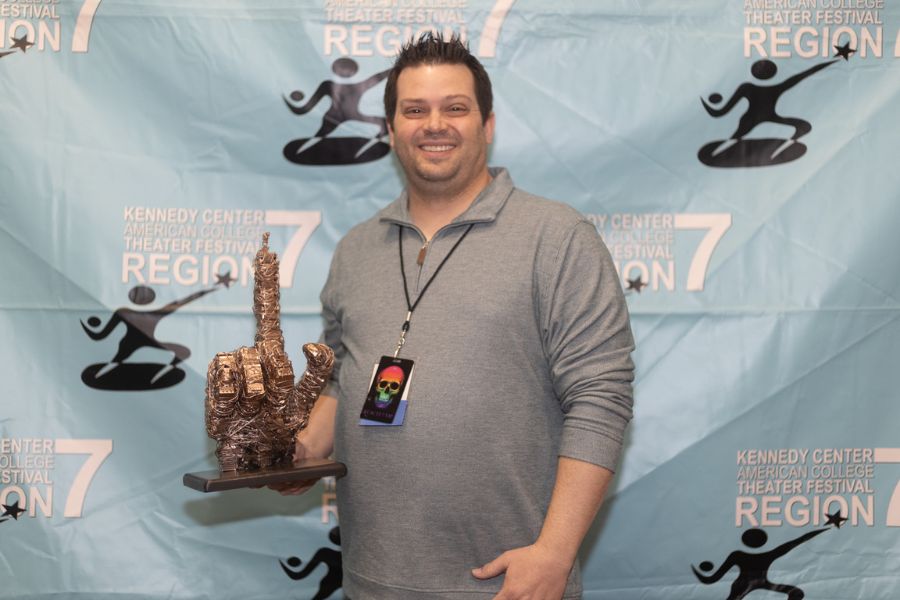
(737, 156)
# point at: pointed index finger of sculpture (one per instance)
(266, 294)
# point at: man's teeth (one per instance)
(437, 148)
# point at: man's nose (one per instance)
(435, 122)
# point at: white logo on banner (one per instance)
(27, 473)
(808, 486)
(36, 25)
(644, 247)
(813, 28)
(379, 27)
(329, 500)
(190, 246)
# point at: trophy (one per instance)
(253, 408)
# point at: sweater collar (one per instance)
(484, 208)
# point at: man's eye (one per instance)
(413, 111)
(458, 109)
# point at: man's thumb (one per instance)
(493, 568)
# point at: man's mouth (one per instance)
(437, 147)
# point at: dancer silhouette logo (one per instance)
(331, 558)
(753, 567)
(741, 151)
(320, 149)
(140, 332)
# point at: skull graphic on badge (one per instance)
(390, 380)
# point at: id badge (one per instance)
(387, 397)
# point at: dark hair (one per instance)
(432, 49)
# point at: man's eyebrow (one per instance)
(451, 97)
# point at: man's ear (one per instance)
(489, 128)
(390, 133)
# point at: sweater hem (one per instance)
(363, 587)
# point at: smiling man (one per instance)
(503, 317)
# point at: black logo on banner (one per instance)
(635, 285)
(739, 151)
(140, 332)
(11, 511)
(20, 43)
(345, 98)
(753, 567)
(331, 558)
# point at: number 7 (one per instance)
(891, 455)
(98, 450)
(306, 222)
(487, 45)
(83, 25)
(716, 225)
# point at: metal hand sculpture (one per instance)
(253, 408)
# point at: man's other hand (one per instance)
(532, 573)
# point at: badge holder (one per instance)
(388, 391)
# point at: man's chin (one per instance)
(432, 176)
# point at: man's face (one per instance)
(437, 133)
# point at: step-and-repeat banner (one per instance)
(739, 157)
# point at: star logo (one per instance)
(12, 510)
(835, 519)
(844, 51)
(636, 284)
(225, 279)
(21, 43)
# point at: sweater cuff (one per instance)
(590, 447)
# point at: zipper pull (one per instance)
(420, 260)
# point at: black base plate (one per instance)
(219, 481)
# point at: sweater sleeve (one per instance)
(588, 343)
(331, 323)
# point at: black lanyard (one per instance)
(411, 306)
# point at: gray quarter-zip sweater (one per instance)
(522, 354)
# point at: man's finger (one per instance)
(293, 490)
(292, 487)
(493, 568)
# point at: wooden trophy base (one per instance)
(220, 481)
